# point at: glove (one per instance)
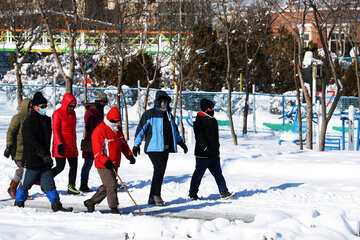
(132, 159)
(136, 150)
(109, 164)
(8, 151)
(47, 159)
(61, 149)
(183, 145)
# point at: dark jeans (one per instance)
(85, 170)
(60, 164)
(213, 164)
(30, 176)
(159, 161)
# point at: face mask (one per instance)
(211, 113)
(163, 105)
(42, 111)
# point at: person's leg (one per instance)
(108, 179)
(216, 171)
(16, 179)
(85, 174)
(159, 161)
(73, 163)
(47, 183)
(60, 165)
(200, 168)
(29, 178)
(101, 192)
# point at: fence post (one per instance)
(351, 128)
(139, 104)
(283, 105)
(54, 93)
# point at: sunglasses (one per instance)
(71, 106)
(42, 106)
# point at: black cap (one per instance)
(205, 104)
(38, 99)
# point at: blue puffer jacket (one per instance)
(151, 126)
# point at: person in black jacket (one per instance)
(36, 159)
(207, 150)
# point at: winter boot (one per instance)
(119, 186)
(156, 200)
(90, 205)
(84, 188)
(19, 204)
(115, 211)
(12, 188)
(194, 197)
(227, 195)
(72, 190)
(57, 206)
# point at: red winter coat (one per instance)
(108, 144)
(64, 128)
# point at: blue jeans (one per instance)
(213, 164)
(30, 176)
(85, 170)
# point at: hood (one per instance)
(161, 94)
(24, 107)
(114, 114)
(68, 97)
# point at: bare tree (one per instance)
(322, 17)
(21, 20)
(294, 13)
(51, 13)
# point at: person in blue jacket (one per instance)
(158, 127)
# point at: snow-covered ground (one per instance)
(281, 193)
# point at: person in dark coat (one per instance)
(36, 159)
(207, 151)
(94, 115)
(64, 140)
(14, 143)
(161, 134)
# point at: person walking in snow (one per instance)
(94, 115)
(207, 150)
(64, 140)
(14, 143)
(108, 142)
(36, 158)
(161, 134)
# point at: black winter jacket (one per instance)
(206, 136)
(37, 137)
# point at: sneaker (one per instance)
(90, 205)
(57, 206)
(227, 195)
(72, 190)
(194, 197)
(115, 211)
(85, 188)
(19, 204)
(156, 200)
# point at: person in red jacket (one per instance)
(108, 142)
(64, 140)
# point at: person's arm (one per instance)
(56, 125)
(199, 134)
(97, 141)
(30, 135)
(140, 131)
(13, 130)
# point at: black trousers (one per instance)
(159, 161)
(60, 165)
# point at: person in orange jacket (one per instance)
(108, 142)
(64, 140)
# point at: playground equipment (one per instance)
(349, 118)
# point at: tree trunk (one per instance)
(126, 116)
(19, 86)
(146, 97)
(176, 99)
(182, 132)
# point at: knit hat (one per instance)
(38, 99)
(205, 104)
(101, 97)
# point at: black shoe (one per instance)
(194, 197)
(57, 206)
(156, 200)
(85, 188)
(115, 211)
(19, 204)
(227, 195)
(90, 205)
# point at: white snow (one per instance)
(281, 193)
